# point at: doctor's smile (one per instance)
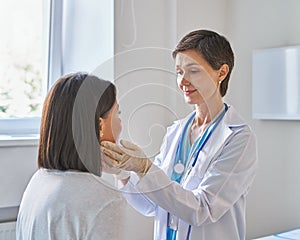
(189, 92)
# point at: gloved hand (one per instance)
(107, 165)
(118, 173)
(128, 156)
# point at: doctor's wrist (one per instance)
(122, 175)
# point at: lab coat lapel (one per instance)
(174, 134)
(213, 145)
(216, 141)
(222, 132)
(220, 135)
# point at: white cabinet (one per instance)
(276, 83)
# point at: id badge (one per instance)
(173, 222)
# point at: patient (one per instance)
(66, 198)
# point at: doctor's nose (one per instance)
(183, 81)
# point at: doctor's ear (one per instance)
(223, 71)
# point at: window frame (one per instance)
(60, 61)
(29, 126)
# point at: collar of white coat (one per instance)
(224, 129)
(231, 118)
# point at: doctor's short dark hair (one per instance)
(70, 128)
(214, 48)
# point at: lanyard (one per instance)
(208, 133)
(180, 156)
(172, 219)
(193, 156)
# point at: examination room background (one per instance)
(145, 32)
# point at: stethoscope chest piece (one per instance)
(179, 168)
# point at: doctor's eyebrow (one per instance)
(188, 65)
(191, 64)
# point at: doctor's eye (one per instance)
(119, 112)
(179, 74)
(193, 71)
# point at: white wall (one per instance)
(273, 204)
(144, 75)
(17, 163)
(144, 70)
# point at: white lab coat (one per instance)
(212, 198)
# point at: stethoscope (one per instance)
(180, 167)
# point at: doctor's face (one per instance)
(195, 77)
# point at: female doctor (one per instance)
(197, 186)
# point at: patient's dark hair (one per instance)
(69, 135)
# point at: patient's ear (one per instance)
(101, 127)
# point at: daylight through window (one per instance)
(22, 81)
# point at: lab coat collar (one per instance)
(214, 144)
(231, 118)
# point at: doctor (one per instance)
(197, 186)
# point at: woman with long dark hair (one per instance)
(66, 198)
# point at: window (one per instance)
(43, 40)
(23, 64)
